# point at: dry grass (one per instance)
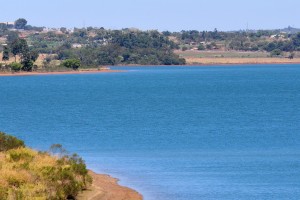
(11, 59)
(234, 57)
(38, 62)
(221, 54)
(27, 174)
(18, 177)
(211, 61)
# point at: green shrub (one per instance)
(201, 47)
(16, 155)
(276, 53)
(15, 66)
(184, 48)
(28, 174)
(8, 142)
(72, 63)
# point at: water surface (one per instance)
(172, 133)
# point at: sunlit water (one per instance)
(172, 133)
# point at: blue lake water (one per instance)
(172, 133)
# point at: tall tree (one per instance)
(20, 23)
(19, 47)
(28, 59)
(5, 55)
(12, 36)
(27, 63)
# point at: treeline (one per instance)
(93, 47)
(28, 174)
(109, 47)
(261, 40)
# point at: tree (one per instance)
(72, 63)
(3, 26)
(296, 40)
(28, 59)
(209, 46)
(12, 37)
(20, 23)
(63, 29)
(5, 56)
(201, 47)
(215, 34)
(166, 33)
(57, 150)
(292, 55)
(34, 55)
(27, 63)
(19, 47)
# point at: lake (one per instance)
(171, 133)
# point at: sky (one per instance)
(172, 15)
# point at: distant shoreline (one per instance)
(207, 65)
(96, 71)
(92, 71)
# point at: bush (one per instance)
(201, 47)
(276, 53)
(292, 55)
(24, 154)
(184, 48)
(8, 142)
(72, 63)
(15, 66)
(209, 46)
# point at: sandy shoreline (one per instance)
(214, 64)
(208, 64)
(105, 187)
(240, 61)
(58, 72)
(205, 64)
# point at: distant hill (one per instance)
(290, 30)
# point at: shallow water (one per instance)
(172, 133)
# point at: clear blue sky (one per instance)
(174, 15)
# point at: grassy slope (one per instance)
(28, 174)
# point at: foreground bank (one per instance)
(29, 174)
